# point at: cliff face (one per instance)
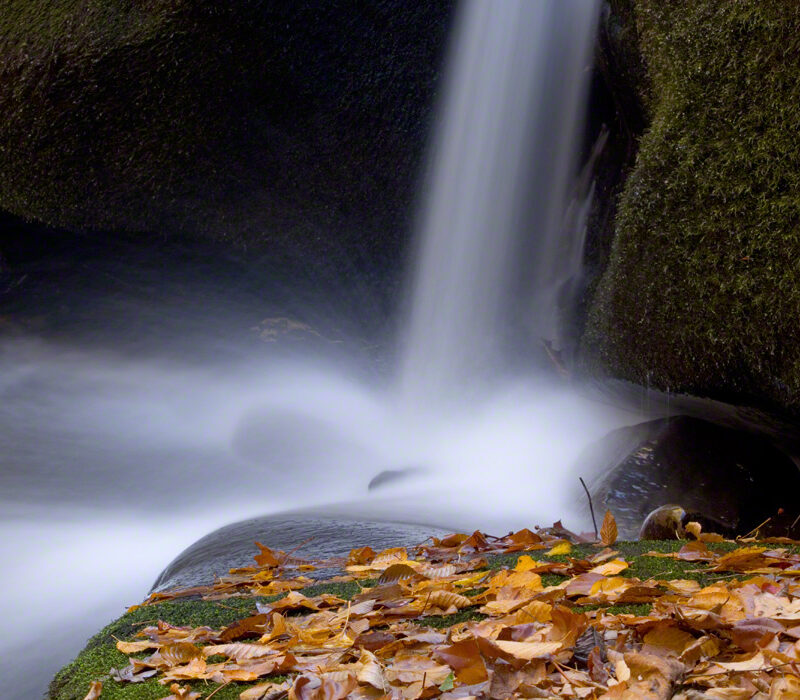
(254, 121)
(701, 293)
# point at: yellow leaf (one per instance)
(528, 650)
(611, 568)
(608, 530)
(447, 599)
(561, 548)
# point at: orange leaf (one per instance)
(363, 555)
(267, 556)
(608, 530)
(94, 691)
(465, 659)
(395, 573)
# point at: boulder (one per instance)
(701, 291)
(729, 480)
(312, 535)
(256, 121)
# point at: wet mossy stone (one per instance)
(728, 480)
(702, 291)
(259, 121)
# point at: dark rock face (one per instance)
(701, 293)
(729, 480)
(256, 121)
(321, 537)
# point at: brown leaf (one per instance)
(248, 627)
(465, 659)
(179, 653)
(267, 556)
(94, 691)
(182, 693)
(395, 573)
(265, 691)
(608, 530)
(362, 555)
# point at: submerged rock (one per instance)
(728, 480)
(701, 293)
(317, 536)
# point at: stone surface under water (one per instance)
(315, 536)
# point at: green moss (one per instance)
(100, 654)
(443, 621)
(345, 590)
(640, 609)
(702, 291)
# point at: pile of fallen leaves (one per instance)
(511, 635)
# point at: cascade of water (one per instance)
(497, 190)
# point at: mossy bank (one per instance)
(702, 291)
(101, 655)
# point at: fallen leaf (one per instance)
(608, 530)
(95, 689)
(267, 556)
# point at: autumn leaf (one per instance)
(608, 530)
(522, 637)
(396, 572)
(267, 556)
(94, 691)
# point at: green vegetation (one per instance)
(100, 654)
(702, 291)
(444, 621)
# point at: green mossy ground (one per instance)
(702, 291)
(100, 654)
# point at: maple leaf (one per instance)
(608, 530)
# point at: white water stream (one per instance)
(111, 466)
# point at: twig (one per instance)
(755, 530)
(591, 507)
(292, 551)
(214, 692)
(346, 620)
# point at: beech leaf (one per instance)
(608, 530)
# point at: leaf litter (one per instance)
(736, 638)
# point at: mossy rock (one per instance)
(258, 121)
(101, 655)
(702, 291)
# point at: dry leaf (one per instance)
(608, 530)
(95, 689)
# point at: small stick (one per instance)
(591, 507)
(755, 530)
(292, 551)
(214, 692)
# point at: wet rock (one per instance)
(728, 480)
(320, 536)
(700, 291)
(256, 121)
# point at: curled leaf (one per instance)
(396, 572)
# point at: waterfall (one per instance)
(491, 230)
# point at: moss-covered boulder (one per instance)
(256, 120)
(702, 290)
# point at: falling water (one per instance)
(112, 463)
(493, 218)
